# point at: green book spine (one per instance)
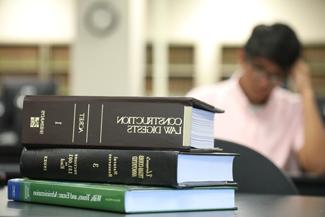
(90, 196)
(122, 198)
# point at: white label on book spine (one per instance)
(101, 124)
(88, 109)
(187, 122)
(74, 121)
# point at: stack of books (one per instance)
(123, 154)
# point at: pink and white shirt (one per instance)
(274, 129)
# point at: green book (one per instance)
(122, 198)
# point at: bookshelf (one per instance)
(314, 54)
(27, 60)
(180, 68)
(228, 60)
(18, 60)
(23, 60)
(60, 66)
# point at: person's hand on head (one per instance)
(301, 77)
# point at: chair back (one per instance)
(255, 173)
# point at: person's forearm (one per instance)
(313, 151)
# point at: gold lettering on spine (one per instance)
(148, 170)
(109, 165)
(62, 164)
(42, 122)
(134, 166)
(138, 120)
(70, 167)
(72, 164)
(45, 163)
(115, 163)
(141, 167)
(75, 164)
(112, 165)
(81, 122)
(151, 125)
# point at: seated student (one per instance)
(260, 114)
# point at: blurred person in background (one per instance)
(282, 125)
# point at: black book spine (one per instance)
(81, 122)
(144, 167)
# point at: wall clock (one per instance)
(101, 18)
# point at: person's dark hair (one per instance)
(277, 43)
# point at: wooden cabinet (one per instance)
(26, 60)
(180, 68)
(314, 54)
(36, 61)
(18, 60)
(59, 65)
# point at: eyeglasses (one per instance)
(275, 79)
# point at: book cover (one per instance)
(144, 167)
(134, 122)
(121, 198)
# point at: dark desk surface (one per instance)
(248, 206)
(310, 185)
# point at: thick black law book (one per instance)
(144, 167)
(119, 122)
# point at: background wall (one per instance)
(37, 21)
(205, 24)
(210, 23)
